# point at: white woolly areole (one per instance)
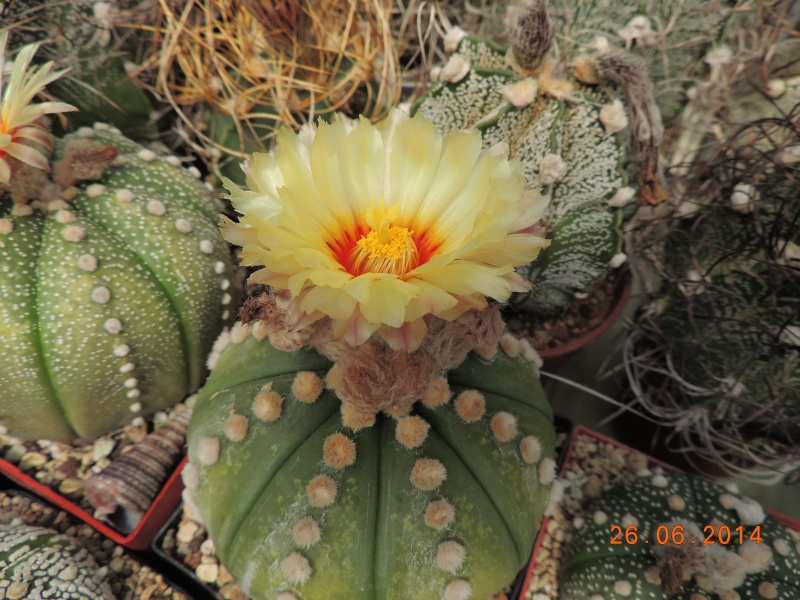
(613, 117)
(296, 568)
(86, 132)
(183, 225)
(453, 38)
(208, 451)
(750, 512)
(136, 407)
(757, 557)
(286, 596)
(94, 190)
(782, 547)
(132, 382)
(138, 421)
(458, 589)
(547, 471)
(236, 427)
(450, 556)
(554, 497)
(191, 476)
(122, 350)
(124, 195)
(156, 208)
(531, 449)
(113, 325)
(22, 210)
(623, 587)
(622, 197)
(307, 532)
(194, 172)
(101, 294)
(147, 155)
(599, 517)
(174, 161)
(73, 233)
(455, 69)
(552, 168)
(504, 426)
(206, 246)
(618, 260)
(522, 93)
(65, 216)
(219, 267)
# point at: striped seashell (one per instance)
(124, 490)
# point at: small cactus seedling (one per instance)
(303, 500)
(565, 135)
(674, 536)
(40, 563)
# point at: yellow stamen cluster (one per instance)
(391, 251)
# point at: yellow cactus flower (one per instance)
(19, 119)
(378, 226)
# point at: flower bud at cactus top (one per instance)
(557, 128)
(112, 290)
(39, 563)
(305, 500)
(694, 539)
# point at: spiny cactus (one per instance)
(304, 501)
(82, 36)
(40, 563)
(113, 285)
(565, 135)
(687, 537)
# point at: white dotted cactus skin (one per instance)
(40, 563)
(63, 368)
(378, 538)
(594, 565)
(583, 227)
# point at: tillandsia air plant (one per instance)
(114, 280)
(370, 431)
(584, 124)
(714, 353)
(235, 71)
(85, 37)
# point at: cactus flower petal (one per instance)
(377, 226)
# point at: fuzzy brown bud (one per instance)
(532, 33)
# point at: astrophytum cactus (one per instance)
(113, 286)
(567, 136)
(441, 503)
(669, 536)
(40, 563)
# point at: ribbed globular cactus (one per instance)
(687, 538)
(304, 500)
(114, 283)
(567, 136)
(40, 563)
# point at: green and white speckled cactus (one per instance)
(39, 563)
(112, 291)
(304, 501)
(82, 35)
(713, 544)
(670, 36)
(565, 135)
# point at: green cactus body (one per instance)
(670, 36)
(109, 304)
(78, 35)
(40, 563)
(293, 518)
(734, 564)
(584, 228)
